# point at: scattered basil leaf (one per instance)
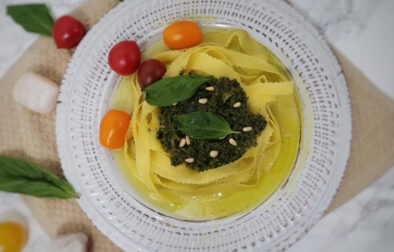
(203, 125)
(167, 91)
(20, 176)
(32, 17)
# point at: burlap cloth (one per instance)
(31, 136)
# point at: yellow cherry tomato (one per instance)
(182, 34)
(12, 237)
(113, 129)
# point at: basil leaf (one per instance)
(24, 177)
(203, 125)
(167, 91)
(32, 17)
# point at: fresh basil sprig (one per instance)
(167, 91)
(32, 17)
(24, 177)
(203, 125)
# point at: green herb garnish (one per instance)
(167, 91)
(20, 176)
(203, 125)
(32, 17)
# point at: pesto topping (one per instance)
(223, 97)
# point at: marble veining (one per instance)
(336, 19)
(363, 30)
(363, 224)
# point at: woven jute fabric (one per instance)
(28, 135)
(31, 136)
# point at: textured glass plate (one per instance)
(130, 222)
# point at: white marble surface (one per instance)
(363, 30)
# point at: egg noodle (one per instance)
(231, 188)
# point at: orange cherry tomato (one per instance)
(182, 34)
(113, 129)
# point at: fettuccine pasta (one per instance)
(233, 187)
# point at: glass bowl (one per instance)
(130, 221)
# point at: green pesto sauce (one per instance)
(220, 101)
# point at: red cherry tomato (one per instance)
(124, 58)
(182, 34)
(67, 32)
(113, 129)
(150, 71)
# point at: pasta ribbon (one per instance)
(233, 187)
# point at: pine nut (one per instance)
(187, 140)
(246, 129)
(174, 104)
(210, 88)
(182, 143)
(232, 141)
(213, 153)
(203, 100)
(237, 105)
(189, 160)
(221, 138)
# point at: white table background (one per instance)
(363, 30)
